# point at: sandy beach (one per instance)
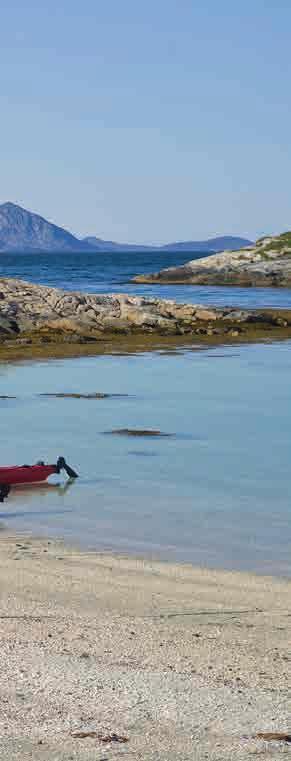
(144, 660)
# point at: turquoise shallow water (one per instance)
(218, 493)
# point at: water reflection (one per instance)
(22, 491)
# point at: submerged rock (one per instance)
(142, 453)
(79, 396)
(138, 432)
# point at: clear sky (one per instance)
(148, 120)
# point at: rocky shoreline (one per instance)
(266, 264)
(38, 319)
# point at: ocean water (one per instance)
(216, 493)
(112, 273)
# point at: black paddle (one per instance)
(62, 465)
(4, 491)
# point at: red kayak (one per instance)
(30, 474)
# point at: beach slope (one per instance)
(107, 657)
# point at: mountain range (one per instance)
(22, 231)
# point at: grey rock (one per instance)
(36, 313)
(7, 326)
(267, 263)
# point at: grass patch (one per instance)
(279, 243)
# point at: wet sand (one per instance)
(180, 662)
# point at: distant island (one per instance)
(21, 231)
(266, 263)
(212, 245)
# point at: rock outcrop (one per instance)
(267, 263)
(32, 314)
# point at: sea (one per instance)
(215, 493)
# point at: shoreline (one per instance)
(176, 659)
(262, 265)
(41, 322)
(135, 344)
(231, 280)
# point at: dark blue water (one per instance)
(112, 273)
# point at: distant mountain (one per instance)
(212, 245)
(21, 230)
(107, 246)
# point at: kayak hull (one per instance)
(26, 474)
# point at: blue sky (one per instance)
(148, 121)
